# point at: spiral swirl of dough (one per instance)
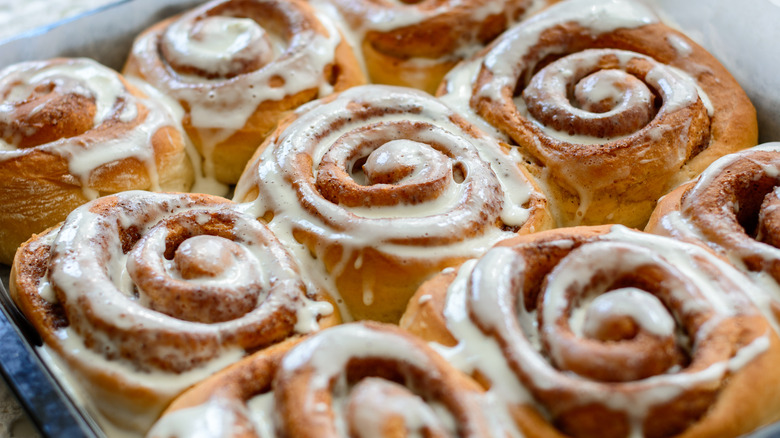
(142, 293)
(71, 130)
(386, 185)
(237, 66)
(613, 108)
(605, 331)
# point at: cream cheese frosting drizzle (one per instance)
(159, 289)
(476, 159)
(528, 350)
(264, 62)
(389, 169)
(597, 115)
(87, 271)
(713, 209)
(425, 396)
(122, 126)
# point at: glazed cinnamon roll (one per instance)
(731, 209)
(612, 108)
(140, 295)
(357, 380)
(604, 331)
(415, 43)
(381, 187)
(237, 66)
(72, 130)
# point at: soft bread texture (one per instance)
(555, 277)
(71, 142)
(731, 208)
(595, 172)
(360, 379)
(404, 187)
(138, 343)
(291, 56)
(416, 44)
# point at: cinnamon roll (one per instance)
(731, 208)
(382, 187)
(357, 380)
(415, 43)
(140, 295)
(612, 108)
(604, 331)
(237, 66)
(72, 130)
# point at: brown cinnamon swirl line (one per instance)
(357, 380)
(237, 67)
(731, 208)
(140, 295)
(612, 108)
(381, 187)
(415, 43)
(72, 130)
(604, 331)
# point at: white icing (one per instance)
(261, 408)
(678, 225)
(484, 167)
(713, 170)
(599, 16)
(203, 183)
(47, 292)
(97, 277)
(643, 308)
(329, 352)
(679, 44)
(458, 95)
(516, 53)
(363, 405)
(218, 45)
(475, 350)
(418, 416)
(677, 88)
(505, 60)
(113, 102)
(219, 107)
(202, 421)
(482, 290)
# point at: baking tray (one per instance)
(106, 34)
(48, 406)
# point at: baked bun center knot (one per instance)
(217, 47)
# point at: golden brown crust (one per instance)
(228, 148)
(397, 375)
(404, 180)
(668, 203)
(417, 52)
(739, 403)
(730, 208)
(41, 186)
(164, 325)
(424, 316)
(620, 177)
